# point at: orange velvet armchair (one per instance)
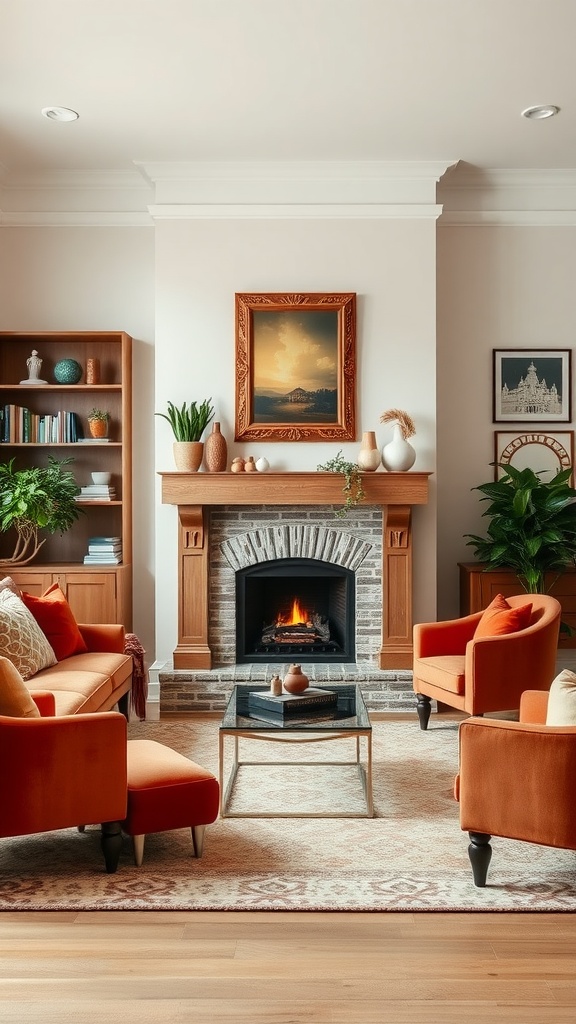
(61, 772)
(516, 780)
(488, 673)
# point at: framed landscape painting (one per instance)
(295, 366)
(532, 385)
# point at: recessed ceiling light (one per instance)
(60, 114)
(537, 113)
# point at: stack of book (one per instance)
(104, 551)
(287, 707)
(96, 492)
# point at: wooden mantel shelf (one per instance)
(194, 493)
(290, 488)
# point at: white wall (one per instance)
(390, 264)
(96, 279)
(498, 287)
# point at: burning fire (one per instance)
(298, 616)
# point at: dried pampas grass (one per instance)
(405, 421)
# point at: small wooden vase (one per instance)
(215, 451)
(295, 681)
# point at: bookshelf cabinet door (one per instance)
(91, 596)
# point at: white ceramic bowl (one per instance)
(101, 478)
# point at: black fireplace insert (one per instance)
(295, 607)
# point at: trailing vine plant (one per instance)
(352, 488)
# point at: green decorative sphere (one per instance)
(67, 371)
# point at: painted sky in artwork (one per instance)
(296, 349)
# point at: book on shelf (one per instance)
(104, 549)
(93, 440)
(104, 540)
(313, 699)
(107, 559)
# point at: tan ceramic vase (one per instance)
(215, 451)
(295, 681)
(188, 455)
(369, 455)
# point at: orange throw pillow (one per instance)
(56, 620)
(500, 618)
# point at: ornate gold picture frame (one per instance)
(295, 366)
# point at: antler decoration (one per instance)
(405, 421)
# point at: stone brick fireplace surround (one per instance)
(228, 522)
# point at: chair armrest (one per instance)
(63, 771)
(534, 706)
(449, 636)
(517, 781)
(106, 637)
(518, 661)
(44, 701)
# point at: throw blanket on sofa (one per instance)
(139, 693)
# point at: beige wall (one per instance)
(76, 279)
(498, 287)
(390, 264)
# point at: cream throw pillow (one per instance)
(15, 699)
(562, 700)
(8, 584)
(21, 639)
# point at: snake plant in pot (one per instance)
(188, 424)
(532, 528)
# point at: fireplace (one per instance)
(383, 593)
(295, 608)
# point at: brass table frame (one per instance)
(295, 735)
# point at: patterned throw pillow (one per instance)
(8, 584)
(21, 639)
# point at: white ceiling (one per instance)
(318, 80)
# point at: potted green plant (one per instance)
(532, 528)
(188, 424)
(35, 499)
(98, 421)
(352, 488)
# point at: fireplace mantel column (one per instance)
(396, 651)
(192, 650)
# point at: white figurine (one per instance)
(34, 364)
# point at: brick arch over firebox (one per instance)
(297, 540)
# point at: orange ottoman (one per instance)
(165, 791)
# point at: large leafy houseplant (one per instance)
(532, 526)
(35, 499)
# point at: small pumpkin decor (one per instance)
(98, 421)
(295, 681)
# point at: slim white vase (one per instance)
(398, 455)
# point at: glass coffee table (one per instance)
(347, 719)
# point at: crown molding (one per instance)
(59, 218)
(294, 170)
(298, 211)
(507, 218)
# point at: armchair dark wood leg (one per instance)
(423, 707)
(111, 843)
(480, 854)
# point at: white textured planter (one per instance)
(398, 455)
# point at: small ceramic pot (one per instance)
(295, 681)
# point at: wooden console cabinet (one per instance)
(479, 587)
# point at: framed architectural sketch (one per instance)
(295, 366)
(532, 385)
(540, 450)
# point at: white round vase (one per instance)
(398, 455)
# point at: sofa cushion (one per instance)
(15, 699)
(21, 639)
(445, 671)
(562, 699)
(56, 620)
(86, 682)
(500, 618)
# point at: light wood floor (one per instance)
(287, 968)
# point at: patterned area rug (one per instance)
(411, 856)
